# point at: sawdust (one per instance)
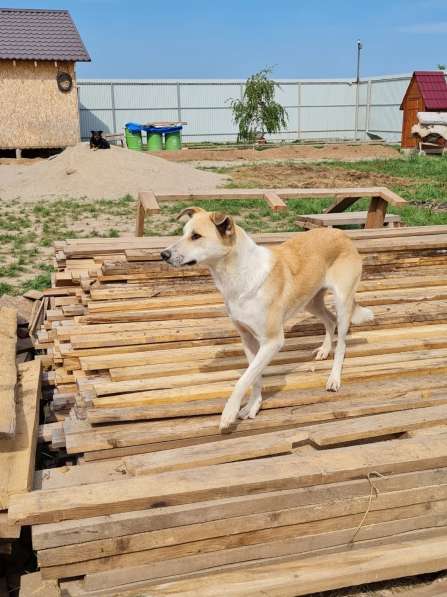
(81, 172)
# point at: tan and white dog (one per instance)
(263, 287)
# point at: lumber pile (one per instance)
(144, 494)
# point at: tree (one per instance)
(441, 66)
(257, 112)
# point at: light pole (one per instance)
(357, 91)
(359, 48)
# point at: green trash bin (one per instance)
(173, 141)
(133, 140)
(154, 141)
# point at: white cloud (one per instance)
(425, 28)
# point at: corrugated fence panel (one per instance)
(140, 96)
(208, 96)
(317, 109)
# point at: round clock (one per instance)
(64, 82)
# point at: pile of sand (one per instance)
(81, 172)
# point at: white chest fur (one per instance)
(240, 278)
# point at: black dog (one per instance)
(97, 142)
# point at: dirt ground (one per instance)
(308, 176)
(340, 151)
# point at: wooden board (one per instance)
(8, 379)
(318, 573)
(17, 455)
(226, 480)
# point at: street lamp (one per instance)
(359, 48)
(357, 96)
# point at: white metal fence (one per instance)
(317, 109)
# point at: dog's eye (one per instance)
(195, 236)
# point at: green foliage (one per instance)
(257, 112)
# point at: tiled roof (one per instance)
(29, 34)
(433, 88)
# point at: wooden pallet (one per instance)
(140, 359)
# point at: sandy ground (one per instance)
(80, 172)
(334, 151)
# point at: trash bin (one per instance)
(133, 139)
(173, 140)
(154, 141)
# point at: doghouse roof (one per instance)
(29, 34)
(432, 87)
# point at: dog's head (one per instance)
(207, 238)
(96, 135)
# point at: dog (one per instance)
(264, 287)
(97, 142)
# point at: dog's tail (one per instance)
(361, 315)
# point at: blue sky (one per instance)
(234, 38)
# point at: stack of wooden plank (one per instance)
(140, 359)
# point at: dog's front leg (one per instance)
(266, 352)
(251, 347)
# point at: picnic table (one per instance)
(375, 217)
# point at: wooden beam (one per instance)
(226, 480)
(275, 202)
(376, 213)
(149, 202)
(318, 573)
(8, 379)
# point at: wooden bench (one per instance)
(276, 199)
(351, 218)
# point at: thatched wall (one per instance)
(33, 112)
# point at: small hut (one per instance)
(427, 92)
(38, 94)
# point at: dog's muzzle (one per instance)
(165, 255)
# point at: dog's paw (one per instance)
(333, 383)
(322, 353)
(249, 411)
(228, 418)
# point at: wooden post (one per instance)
(376, 213)
(139, 228)
(147, 203)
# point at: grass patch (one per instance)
(28, 230)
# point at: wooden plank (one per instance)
(241, 524)
(330, 434)
(17, 455)
(278, 541)
(341, 219)
(8, 340)
(33, 585)
(275, 202)
(225, 480)
(149, 202)
(317, 573)
(101, 527)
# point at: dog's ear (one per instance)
(100, 132)
(189, 211)
(223, 223)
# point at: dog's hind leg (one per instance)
(345, 279)
(317, 307)
(251, 347)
